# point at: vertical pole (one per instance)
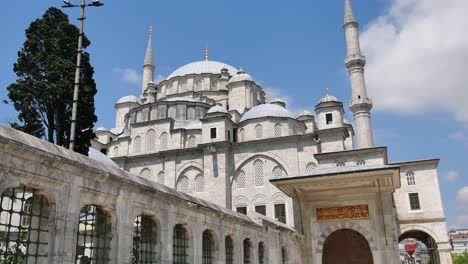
(77, 78)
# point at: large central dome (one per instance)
(200, 67)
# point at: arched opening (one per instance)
(180, 245)
(261, 253)
(144, 240)
(247, 248)
(94, 235)
(229, 249)
(418, 247)
(208, 248)
(346, 246)
(24, 226)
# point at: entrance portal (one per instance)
(426, 250)
(346, 246)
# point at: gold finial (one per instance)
(151, 30)
(207, 53)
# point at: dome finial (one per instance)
(328, 91)
(151, 31)
(207, 53)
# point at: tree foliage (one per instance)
(460, 259)
(43, 91)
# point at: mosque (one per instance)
(202, 169)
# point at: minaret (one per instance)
(148, 65)
(360, 104)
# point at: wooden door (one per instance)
(346, 246)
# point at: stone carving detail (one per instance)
(342, 212)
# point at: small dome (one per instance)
(99, 156)
(328, 98)
(241, 76)
(217, 109)
(279, 101)
(101, 129)
(267, 110)
(305, 113)
(199, 67)
(129, 99)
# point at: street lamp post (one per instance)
(83, 5)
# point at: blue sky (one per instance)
(294, 49)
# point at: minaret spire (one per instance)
(360, 104)
(207, 53)
(148, 65)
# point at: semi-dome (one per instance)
(217, 109)
(199, 67)
(129, 99)
(101, 128)
(267, 110)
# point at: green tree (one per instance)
(43, 91)
(460, 259)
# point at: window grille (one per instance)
(280, 213)
(24, 220)
(241, 135)
(213, 132)
(161, 177)
(163, 141)
(311, 166)
(171, 113)
(116, 151)
(144, 240)
(139, 116)
(150, 140)
(258, 172)
(414, 201)
(361, 162)
(329, 119)
(410, 179)
(278, 130)
(242, 209)
(261, 209)
(246, 251)
(146, 173)
(241, 180)
(261, 253)
(183, 184)
(180, 245)
(207, 248)
(137, 144)
(229, 249)
(192, 142)
(94, 235)
(277, 172)
(284, 256)
(154, 113)
(258, 131)
(191, 113)
(199, 183)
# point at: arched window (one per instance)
(410, 179)
(278, 130)
(241, 135)
(163, 141)
(183, 184)
(284, 256)
(361, 162)
(94, 235)
(277, 172)
(137, 144)
(258, 131)
(146, 173)
(144, 240)
(258, 173)
(180, 245)
(311, 166)
(150, 140)
(161, 177)
(261, 253)
(229, 249)
(199, 183)
(207, 248)
(191, 113)
(192, 142)
(171, 112)
(116, 151)
(241, 180)
(246, 246)
(24, 220)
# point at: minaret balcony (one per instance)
(355, 60)
(361, 104)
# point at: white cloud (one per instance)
(462, 197)
(129, 75)
(460, 136)
(460, 222)
(452, 175)
(273, 93)
(417, 57)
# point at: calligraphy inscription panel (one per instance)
(342, 212)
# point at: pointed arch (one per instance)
(150, 140)
(278, 130)
(137, 144)
(163, 140)
(183, 184)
